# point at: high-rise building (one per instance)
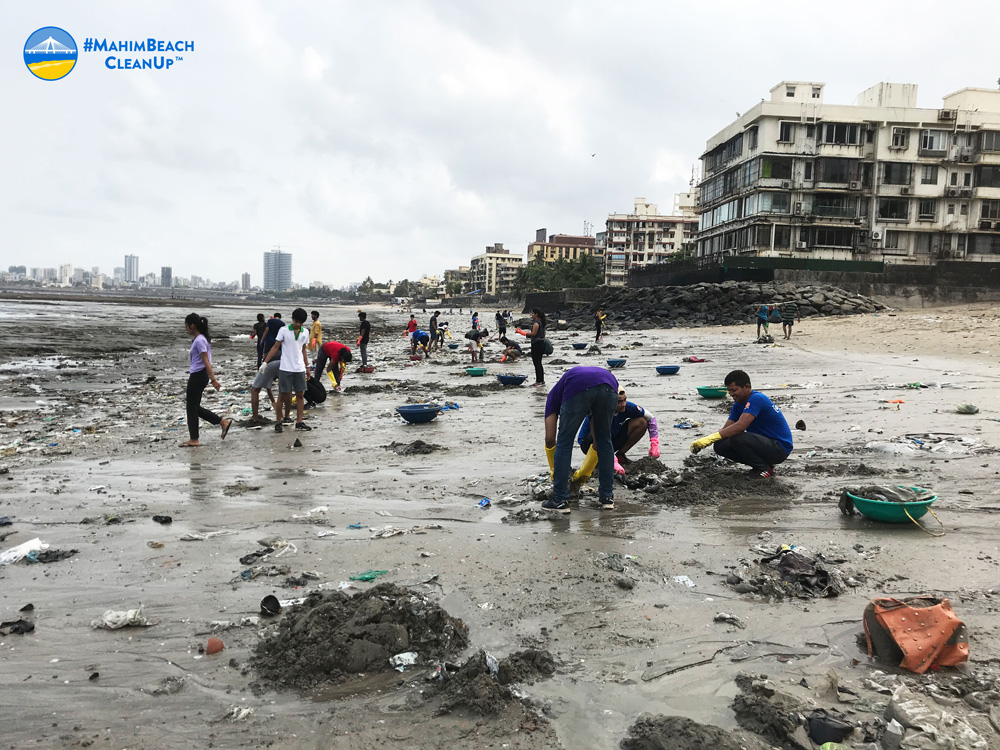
(643, 238)
(562, 247)
(277, 271)
(131, 269)
(880, 179)
(166, 277)
(245, 284)
(494, 271)
(66, 274)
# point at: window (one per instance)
(954, 178)
(750, 205)
(991, 140)
(840, 133)
(928, 174)
(894, 209)
(985, 243)
(834, 170)
(991, 210)
(824, 237)
(927, 209)
(967, 179)
(932, 140)
(833, 205)
(776, 168)
(923, 243)
(752, 137)
(790, 91)
(897, 173)
(786, 132)
(807, 170)
(816, 92)
(963, 209)
(892, 238)
(762, 235)
(900, 138)
(987, 176)
(951, 209)
(782, 236)
(778, 203)
(810, 131)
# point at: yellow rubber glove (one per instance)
(587, 467)
(704, 442)
(550, 454)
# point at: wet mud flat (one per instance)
(618, 610)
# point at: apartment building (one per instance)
(494, 271)
(563, 247)
(644, 237)
(880, 179)
(458, 275)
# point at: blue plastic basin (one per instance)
(668, 369)
(418, 413)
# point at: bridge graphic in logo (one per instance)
(50, 53)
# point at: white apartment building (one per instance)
(880, 179)
(494, 271)
(644, 237)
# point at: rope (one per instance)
(924, 528)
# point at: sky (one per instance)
(396, 139)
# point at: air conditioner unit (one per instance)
(966, 193)
(876, 236)
(855, 185)
(859, 220)
(947, 114)
(904, 191)
(786, 185)
(800, 245)
(952, 192)
(966, 158)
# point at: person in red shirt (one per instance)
(337, 355)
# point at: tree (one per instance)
(367, 287)
(453, 288)
(402, 289)
(582, 273)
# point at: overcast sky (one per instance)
(401, 138)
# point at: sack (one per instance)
(548, 347)
(315, 392)
(920, 632)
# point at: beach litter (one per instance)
(400, 662)
(368, 576)
(117, 619)
(967, 409)
(21, 551)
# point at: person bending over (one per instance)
(756, 433)
(334, 356)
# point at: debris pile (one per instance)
(488, 686)
(331, 637)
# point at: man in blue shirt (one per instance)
(755, 434)
(580, 392)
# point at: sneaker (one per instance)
(765, 473)
(302, 426)
(288, 421)
(607, 503)
(557, 505)
(278, 427)
(536, 385)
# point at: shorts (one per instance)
(788, 323)
(291, 382)
(267, 378)
(617, 440)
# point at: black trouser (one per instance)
(321, 360)
(363, 346)
(260, 351)
(597, 338)
(537, 350)
(195, 387)
(749, 448)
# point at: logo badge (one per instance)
(50, 53)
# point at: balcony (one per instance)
(835, 212)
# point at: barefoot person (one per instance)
(755, 434)
(789, 312)
(580, 393)
(200, 374)
(290, 345)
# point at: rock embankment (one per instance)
(728, 303)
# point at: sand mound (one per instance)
(332, 636)
(486, 685)
(416, 448)
(677, 733)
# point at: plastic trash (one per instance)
(967, 409)
(369, 575)
(163, 519)
(214, 646)
(356, 526)
(484, 503)
(115, 620)
(270, 605)
(401, 661)
(21, 551)
(684, 580)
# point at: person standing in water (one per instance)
(200, 374)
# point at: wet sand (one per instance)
(96, 442)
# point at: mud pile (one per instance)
(332, 636)
(705, 481)
(680, 733)
(487, 686)
(416, 448)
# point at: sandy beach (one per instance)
(91, 412)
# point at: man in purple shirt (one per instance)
(580, 392)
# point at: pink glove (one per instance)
(618, 467)
(654, 447)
